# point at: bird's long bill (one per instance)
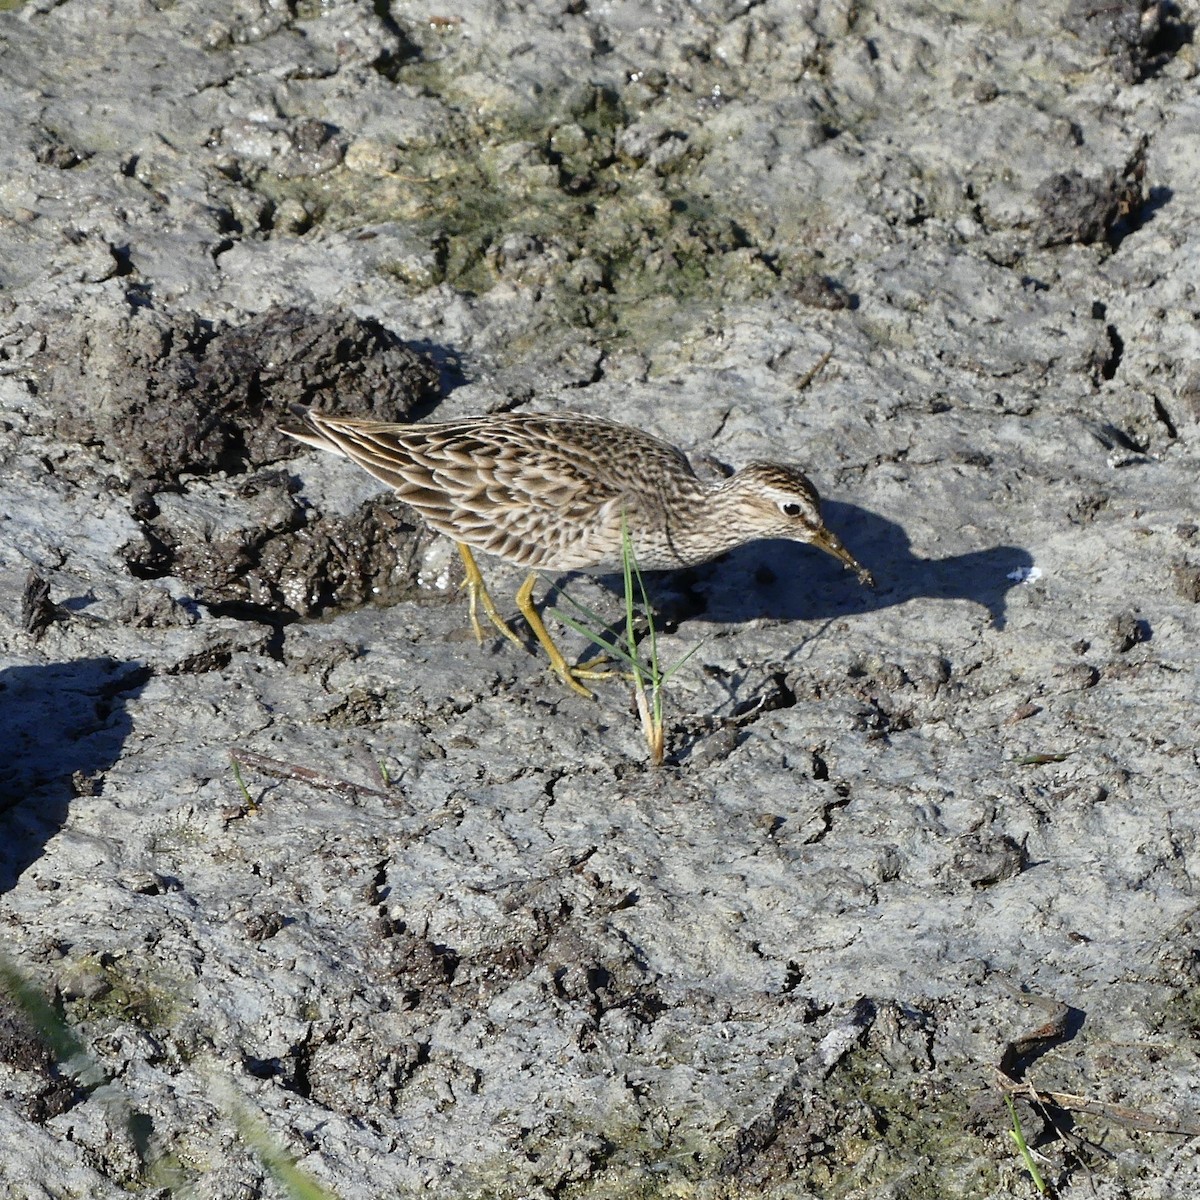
(829, 541)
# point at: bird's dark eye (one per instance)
(791, 510)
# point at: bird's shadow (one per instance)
(62, 725)
(788, 581)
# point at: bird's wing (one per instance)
(533, 488)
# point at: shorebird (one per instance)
(554, 491)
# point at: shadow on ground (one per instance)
(788, 581)
(62, 725)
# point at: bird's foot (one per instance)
(477, 594)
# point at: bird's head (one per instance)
(774, 500)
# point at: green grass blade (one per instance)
(1018, 1136)
(627, 572)
(616, 651)
(670, 671)
(595, 628)
(652, 633)
(596, 619)
(237, 774)
(41, 1014)
(296, 1184)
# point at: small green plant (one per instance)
(237, 774)
(296, 1184)
(646, 672)
(1040, 760)
(44, 1017)
(1018, 1138)
(75, 1061)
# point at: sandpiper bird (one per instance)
(553, 491)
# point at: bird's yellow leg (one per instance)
(569, 675)
(477, 594)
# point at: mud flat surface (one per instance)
(456, 938)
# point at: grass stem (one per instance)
(644, 668)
